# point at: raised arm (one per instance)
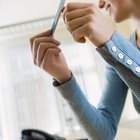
(85, 20)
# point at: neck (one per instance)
(136, 18)
(136, 9)
(138, 34)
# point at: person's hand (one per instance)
(84, 20)
(48, 56)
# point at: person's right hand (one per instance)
(48, 56)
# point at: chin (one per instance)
(118, 19)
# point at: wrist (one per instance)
(106, 38)
(65, 78)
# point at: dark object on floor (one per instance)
(33, 134)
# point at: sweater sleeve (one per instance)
(124, 57)
(99, 123)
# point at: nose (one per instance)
(102, 3)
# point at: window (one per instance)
(28, 99)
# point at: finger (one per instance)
(74, 6)
(37, 42)
(82, 32)
(78, 22)
(44, 39)
(44, 34)
(39, 52)
(75, 14)
(48, 58)
(82, 40)
(63, 9)
(64, 12)
(42, 49)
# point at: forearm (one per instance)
(98, 125)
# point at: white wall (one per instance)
(15, 11)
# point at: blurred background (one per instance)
(27, 97)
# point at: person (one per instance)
(85, 21)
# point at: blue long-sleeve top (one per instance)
(123, 72)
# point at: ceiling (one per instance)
(15, 11)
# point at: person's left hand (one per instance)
(84, 20)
